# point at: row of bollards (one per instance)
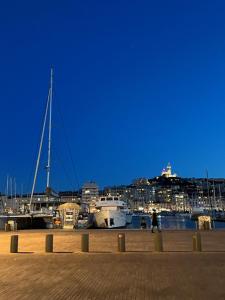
(49, 243)
(158, 243)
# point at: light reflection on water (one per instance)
(170, 222)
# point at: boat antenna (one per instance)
(41, 143)
(49, 131)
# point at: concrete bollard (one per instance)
(121, 242)
(85, 242)
(197, 243)
(14, 244)
(49, 243)
(158, 242)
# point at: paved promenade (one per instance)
(140, 273)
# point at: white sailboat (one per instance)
(49, 192)
(32, 218)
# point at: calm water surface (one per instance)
(170, 222)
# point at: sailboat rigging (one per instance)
(48, 114)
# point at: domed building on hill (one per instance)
(167, 172)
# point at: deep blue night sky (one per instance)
(137, 84)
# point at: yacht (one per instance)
(110, 212)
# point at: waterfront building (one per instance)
(180, 202)
(114, 190)
(90, 192)
(139, 195)
(167, 191)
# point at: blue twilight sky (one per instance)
(136, 84)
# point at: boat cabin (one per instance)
(110, 202)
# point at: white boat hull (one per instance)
(110, 219)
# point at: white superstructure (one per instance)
(110, 212)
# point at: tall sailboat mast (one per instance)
(48, 105)
(50, 131)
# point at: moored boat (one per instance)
(110, 212)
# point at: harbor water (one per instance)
(170, 222)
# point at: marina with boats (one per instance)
(111, 215)
(178, 201)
